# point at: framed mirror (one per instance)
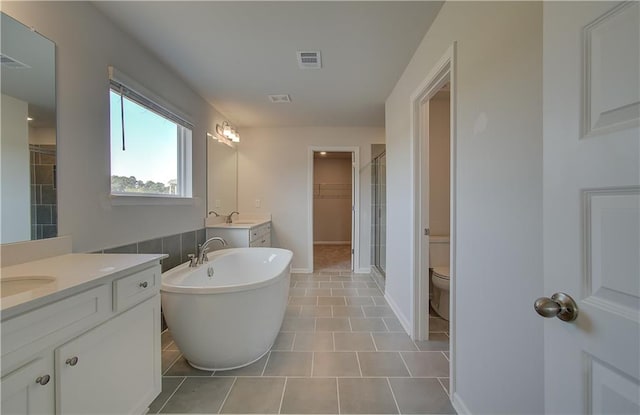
(28, 184)
(222, 176)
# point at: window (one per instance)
(150, 144)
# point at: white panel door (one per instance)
(591, 60)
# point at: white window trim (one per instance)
(130, 199)
(184, 153)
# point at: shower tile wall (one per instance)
(44, 208)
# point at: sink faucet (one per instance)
(228, 218)
(204, 248)
(214, 212)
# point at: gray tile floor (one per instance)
(341, 350)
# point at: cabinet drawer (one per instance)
(259, 231)
(263, 240)
(70, 315)
(131, 290)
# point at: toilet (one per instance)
(439, 274)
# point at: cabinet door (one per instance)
(114, 368)
(29, 389)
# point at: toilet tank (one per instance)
(438, 251)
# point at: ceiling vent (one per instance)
(280, 99)
(9, 62)
(309, 60)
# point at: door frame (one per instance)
(355, 217)
(443, 71)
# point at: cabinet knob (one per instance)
(144, 284)
(72, 361)
(43, 380)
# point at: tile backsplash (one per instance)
(177, 246)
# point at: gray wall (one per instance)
(86, 43)
(498, 337)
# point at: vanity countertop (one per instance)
(71, 273)
(240, 224)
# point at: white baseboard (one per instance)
(332, 242)
(301, 271)
(396, 310)
(459, 405)
(363, 270)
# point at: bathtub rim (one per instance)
(166, 287)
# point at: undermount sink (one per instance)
(244, 222)
(16, 285)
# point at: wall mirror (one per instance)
(28, 186)
(222, 176)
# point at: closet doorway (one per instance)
(333, 210)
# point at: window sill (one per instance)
(155, 200)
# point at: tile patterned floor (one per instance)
(331, 258)
(341, 350)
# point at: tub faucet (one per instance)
(228, 219)
(204, 248)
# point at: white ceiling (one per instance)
(236, 53)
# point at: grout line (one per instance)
(333, 337)
(293, 344)
(350, 328)
(267, 362)
(387, 327)
(284, 388)
(338, 394)
(315, 324)
(394, 395)
(443, 387)
(374, 341)
(173, 362)
(313, 357)
(405, 364)
(445, 356)
(171, 396)
(227, 395)
(359, 367)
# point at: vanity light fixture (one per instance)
(220, 139)
(29, 118)
(323, 153)
(228, 131)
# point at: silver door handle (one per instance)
(560, 305)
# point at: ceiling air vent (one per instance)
(9, 62)
(280, 99)
(309, 60)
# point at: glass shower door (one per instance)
(379, 215)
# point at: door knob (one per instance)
(560, 305)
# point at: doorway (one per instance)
(333, 210)
(434, 149)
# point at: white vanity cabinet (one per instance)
(243, 236)
(29, 389)
(112, 368)
(92, 352)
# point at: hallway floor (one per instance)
(331, 258)
(340, 351)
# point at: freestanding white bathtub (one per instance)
(227, 312)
